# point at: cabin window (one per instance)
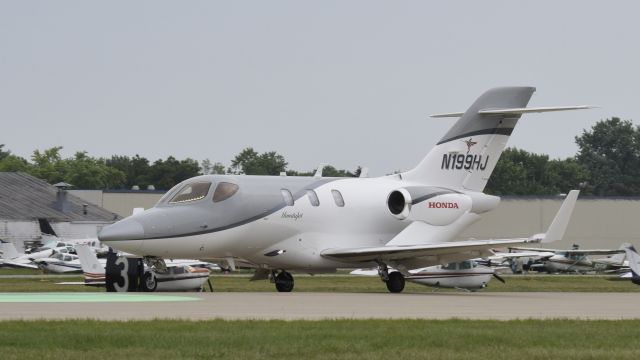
(337, 197)
(287, 197)
(223, 191)
(313, 198)
(191, 192)
(465, 265)
(450, 266)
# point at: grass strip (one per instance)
(335, 339)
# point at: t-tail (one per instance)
(466, 156)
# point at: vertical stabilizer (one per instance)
(94, 272)
(8, 250)
(634, 264)
(465, 157)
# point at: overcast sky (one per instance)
(342, 82)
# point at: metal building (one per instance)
(26, 202)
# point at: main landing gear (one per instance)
(283, 281)
(394, 280)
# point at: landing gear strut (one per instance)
(283, 280)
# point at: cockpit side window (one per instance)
(223, 191)
(191, 192)
(450, 266)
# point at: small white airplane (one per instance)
(182, 275)
(404, 221)
(12, 258)
(575, 260)
(467, 275)
(59, 262)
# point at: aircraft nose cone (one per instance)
(127, 229)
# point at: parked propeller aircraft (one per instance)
(181, 275)
(575, 260)
(11, 257)
(467, 275)
(403, 221)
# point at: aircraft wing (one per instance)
(402, 252)
(571, 252)
(536, 254)
(18, 264)
(450, 251)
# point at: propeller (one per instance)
(500, 278)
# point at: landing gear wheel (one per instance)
(149, 282)
(395, 284)
(284, 282)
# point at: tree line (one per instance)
(607, 164)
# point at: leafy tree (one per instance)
(48, 165)
(164, 174)
(610, 152)
(15, 163)
(3, 153)
(212, 168)
(218, 168)
(135, 169)
(249, 162)
(519, 172)
(85, 172)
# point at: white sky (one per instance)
(342, 82)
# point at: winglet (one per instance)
(318, 173)
(559, 224)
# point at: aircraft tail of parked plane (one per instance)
(8, 250)
(634, 264)
(94, 273)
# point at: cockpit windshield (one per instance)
(191, 192)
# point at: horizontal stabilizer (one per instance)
(517, 111)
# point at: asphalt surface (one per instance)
(313, 306)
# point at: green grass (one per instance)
(330, 339)
(345, 283)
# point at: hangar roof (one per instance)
(25, 197)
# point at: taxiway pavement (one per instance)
(313, 306)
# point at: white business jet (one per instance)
(404, 221)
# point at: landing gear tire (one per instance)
(149, 282)
(284, 282)
(395, 283)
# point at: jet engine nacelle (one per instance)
(435, 206)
